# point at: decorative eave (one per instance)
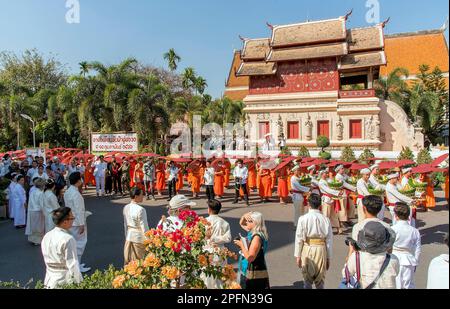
(308, 52)
(255, 49)
(312, 32)
(365, 39)
(362, 60)
(256, 68)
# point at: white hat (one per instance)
(406, 170)
(392, 176)
(311, 168)
(374, 167)
(321, 172)
(296, 167)
(180, 201)
(365, 171)
(338, 168)
(268, 134)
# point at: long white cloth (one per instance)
(35, 229)
(297, 198)
(60, 257)
(438, 272)
(50, 204)
(18, 205)
(11, 198)
(74, 200)
(135, 223)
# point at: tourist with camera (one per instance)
(313, 244)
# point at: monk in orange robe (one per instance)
(160, 176)
(430, 200)
(138, 178)
(195, 179)
(258, 174)
(180, 183)
(88, 174)
(283, 189)
(273, 174)
(251, 181)
(227, 170)
(265, 185)
(446, 188)
(133, 163)
(219, 180)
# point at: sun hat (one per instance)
(375, 238)
(180, 201)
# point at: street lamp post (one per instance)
(34, 129)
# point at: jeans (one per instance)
(172, 188)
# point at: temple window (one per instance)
(323, 128)
(355, 128)
(293, 130)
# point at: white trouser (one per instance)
(405, 277)
(299, 208)
(80, 239)
(100, 184)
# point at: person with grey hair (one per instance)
(59, 250)
(438, 270)
(377, 268)
(35, 229)
(176, 205)
(252, 263)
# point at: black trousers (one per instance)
(149, 188)
(237, 188)
(108, 185)
(210, 192)
(117, 184)
(172, 188)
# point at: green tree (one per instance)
(172, 59)
(392, 87)
(200, 85)
(365, 155)
(406, 154)
(424, 157)
(304, 152)
(188, 78)
(347, 154)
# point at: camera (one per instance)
(350, 241)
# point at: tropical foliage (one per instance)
(128, 96)
(424, 157)
(406, 154)
(365, 155)
(348, 154)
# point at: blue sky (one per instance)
(204, 33)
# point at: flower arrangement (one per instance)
(383, 179)
(178, 259)
(352, 181)
(305, 181)
(408, 191)
(418, 185)
(375, 191)
(336, 185)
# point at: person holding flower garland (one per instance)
(328, 204)
(362, 188)
(347, 209)
(298, 194)
(373, 181)
(394, 196)
(252, 263)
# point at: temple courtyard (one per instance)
(21, 261)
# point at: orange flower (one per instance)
(233, 286)
(170, 272)
(203, 260)
(133, 268)
(118, 281)
(229, 273)
(151, 261)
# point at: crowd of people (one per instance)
(47, 200)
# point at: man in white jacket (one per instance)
(100, 175)
(407, 247)
(74, 200)
(59, 250)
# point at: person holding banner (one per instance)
(100, 174)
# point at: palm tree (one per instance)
(84, 68)
(188, 78)
(200, 85)
(393, 87)
(172, 59)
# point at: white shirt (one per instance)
(208, 176)
(343, 179)
(31, 172)
(268, 146)
(296, 186)
(50, 204)
(43, 176)
(242, 173)
(370, 265)
(59, 249)
(171, 224)
(173, 173)
(99, 168)
(373, 181)
(71, 169)
(313, 225)
(135, 223)
(362, 187)
(438, 273)
(220, 231)
(393, 196)
(74, 200)
(407, 246)
(404, 182)
(324, 188)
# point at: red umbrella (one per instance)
(385, 165)
(181, 160)
(404, 162)
(423, 169)
(282, 164)
(358, 166)
(335, 163)
(439, 159)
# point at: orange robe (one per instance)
(274, 178)
(227, 174)
(139, 174)
(195, 180)
(258, 177)
(446, 187)
(251, 181)
(132, 168)
(430, 200)
(283, 189)
(180, 182)
(265, 184)
(160, 177)
(289, 182)
(219, 180)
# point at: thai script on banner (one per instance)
(107, 142)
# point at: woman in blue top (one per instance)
(252, 264)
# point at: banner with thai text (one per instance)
(112, 142)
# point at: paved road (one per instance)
(21, 261)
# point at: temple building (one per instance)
(316, 78)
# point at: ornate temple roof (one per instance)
(312, 32)
(362, 60)
(308, 52)
(256, 68)
(365, 39)
(255, 49)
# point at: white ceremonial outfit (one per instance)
(393, 196)
(438, 273)
(18, 205)
(74, 200)
(407, 248)
(59, 249)
(220, 235)
(404, 182)
(35, 229)
(373, 181)
(100, 176)
(370, 265)
(149, 172)
(31, 172)
(362, 190)
(328, 202)
(135, 223)
(297, 191)
(347, 208)
(11, 198)
(43, 176)
(314, 245)
(314, 185)
(50, 204)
